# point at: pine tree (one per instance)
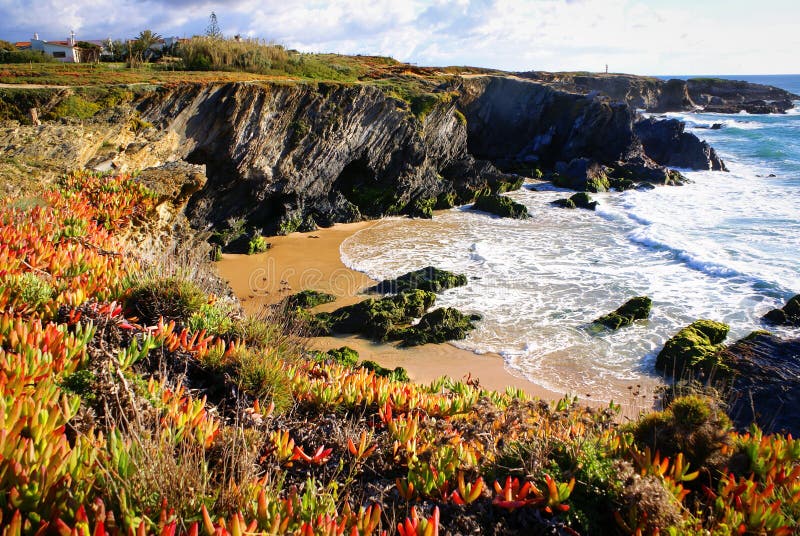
(213, 30)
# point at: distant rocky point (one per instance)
(714, 95)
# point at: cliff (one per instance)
(283, 156)
(656, 95)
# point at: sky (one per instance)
(634, 36)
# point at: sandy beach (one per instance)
(312, 261)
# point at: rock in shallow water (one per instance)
(788, 315)
(694, 349)
(501, 206)
(442, 325)
(429, 278)
(637, 308)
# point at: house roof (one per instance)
(23, 44)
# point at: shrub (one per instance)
(257, 244)
(171, 298)
(345, 356)
(24, 56)
(214, 318)
(693, 424)
(398, 374)
(27, 290)
(263, 377)
(77, 107)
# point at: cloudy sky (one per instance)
(636, 36)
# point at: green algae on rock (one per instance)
(637, 308)
(442, 325)
(376, 318)
(501, 206)
(307, 299)
(695, 348)
(579, 200)
(429, 278)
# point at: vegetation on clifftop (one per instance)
(114, 421)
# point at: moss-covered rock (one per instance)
(376, 318)
(598, 184)
(308, 299)
(637, 308)
(788, 315)
(442, 325)
(621, 184)
(423, 207)
(579, 200)
(500, 206)
(430, 278)
(564, 203)
(397, 374)
(445, 200)
(584, 200)
(695, 348)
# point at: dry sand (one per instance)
(312, 261)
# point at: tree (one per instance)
(213, 30)
(139, 47)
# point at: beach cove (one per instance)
(313, 260)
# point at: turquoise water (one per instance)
(725, 247)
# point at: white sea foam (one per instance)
(726, 247)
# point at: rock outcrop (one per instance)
(666, 142)
(657, 95)
(766, 384)
(579, 200)
(281, 157)
(693, 350)
(788, 315)
(637, 308)
(501, 206)
(516, 123)
(429, 278)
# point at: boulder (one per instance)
(579, 200)
(637, 308)
(665, 141)
(788, 315)
(308, 299)
(766, 384)
(581, 174)
(564, 203)
(376, 318)
(441, 325)
(429, 278)
(694, 349)
(501, 206)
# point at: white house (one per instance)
(65, 51)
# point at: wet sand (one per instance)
(312, 261)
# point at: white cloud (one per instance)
(640, 36)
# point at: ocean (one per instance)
(724, 247)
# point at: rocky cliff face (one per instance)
(295, 156)
(656, 95)
(516, 122)
(286, 156)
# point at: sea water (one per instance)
(724, 247)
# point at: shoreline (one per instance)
(312, 260)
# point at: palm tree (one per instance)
(141, 45)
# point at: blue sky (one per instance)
(635, 36)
